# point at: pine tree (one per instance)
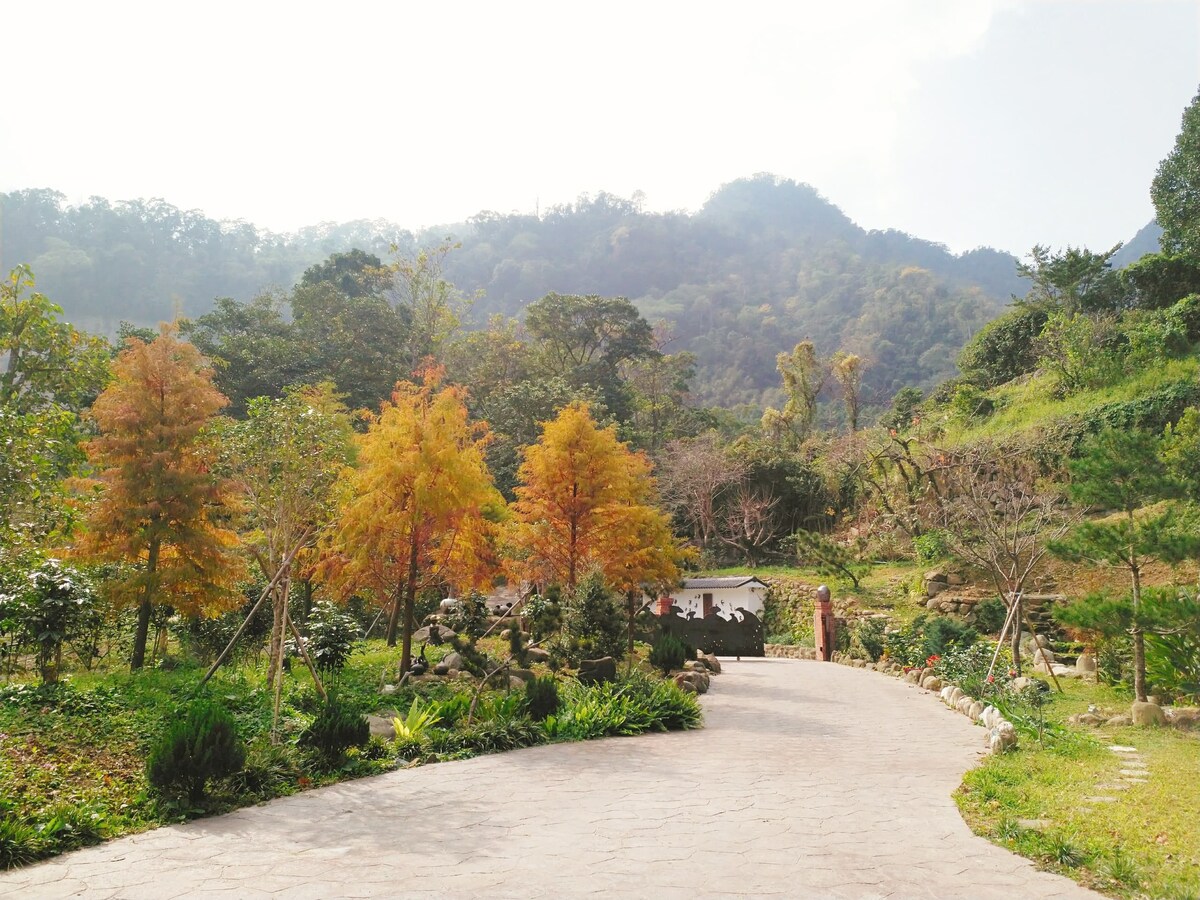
(1121, 472)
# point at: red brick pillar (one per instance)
(824, 629)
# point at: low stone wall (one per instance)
(1001, 735)
(788, 651)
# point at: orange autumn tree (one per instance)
(156, 494)
(419, 508)
(586, 501)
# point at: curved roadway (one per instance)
(809, 780)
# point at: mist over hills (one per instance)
(766, 262)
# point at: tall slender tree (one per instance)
(158, 497)
(418, 507)
(587, 501)
(286, 457)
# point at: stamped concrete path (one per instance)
(810, 780)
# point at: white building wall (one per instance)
(726, 601)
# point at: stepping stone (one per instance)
(1099, 799)
(1138, 780)
(1117, 748)
(1113, 786)
(1135, 773)
(1034, 824)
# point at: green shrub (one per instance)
(943, 634)
(923, 637)
(499, 735)
(1004, 348)
(337, 727)
(269, 770)
(200, 746)
(967, 667)
(20, 842)
(931, 546)
(419, 720)
(468, 617)
(867, 638)
(668, 653)
(543, 613)
(541, 698)
(332, 634)
(593, 624)
(990, 615)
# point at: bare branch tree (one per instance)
(749, 523)
(695, 478)
(997, 515)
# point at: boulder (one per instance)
(933, 588)
(913, 676)
(382, 726)
(441, 669)
(932, 683)
(387, 689)
(452, 660)
(506, 634)
(1147, 714)
(694, 665)
(713, 664)
(956, 694)
(937, 575)
(595, 671)
(685, 683)
(538, 655)
(433, 634)
(974, 711)
(964, 705)
(932, 603)
(955, 578)
(522, 675)
(1086, 664)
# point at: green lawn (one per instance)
(1034, 802)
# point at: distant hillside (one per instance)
(765, 263)
(1145, 241)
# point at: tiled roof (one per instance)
(721, 581)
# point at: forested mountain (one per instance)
(764, 264)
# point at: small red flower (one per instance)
(932, 659)
(991, 679)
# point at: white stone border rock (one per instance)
(1001, 735)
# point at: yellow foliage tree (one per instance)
(585, 500)
(419, 508)
(157, 492)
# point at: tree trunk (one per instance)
(275, 657)
(630, 600)
(145, 608)
(410, 594)
(1016, 632)
(1139, 640)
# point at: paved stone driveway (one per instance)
(810, 780)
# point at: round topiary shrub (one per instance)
(201, 746)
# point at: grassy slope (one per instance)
(1025, 405)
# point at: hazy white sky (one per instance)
(971, 122)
